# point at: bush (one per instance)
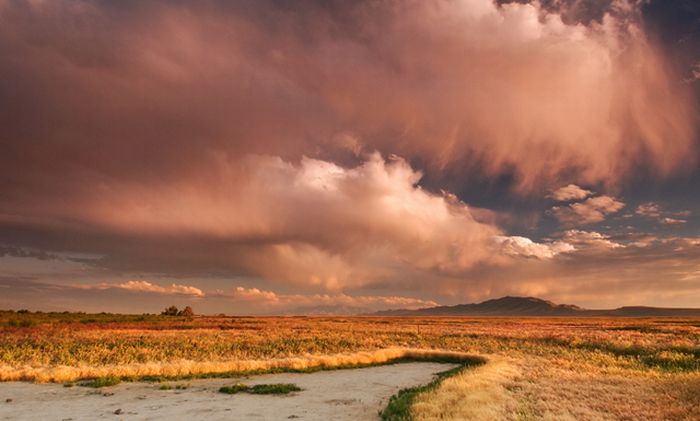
(187, 312)
(170, 311)
(261, 389)
(233, 389)
(274, 389)
(104, 382)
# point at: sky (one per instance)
(271, 157)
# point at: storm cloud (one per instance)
(289, 143)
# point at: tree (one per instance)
(170, 311)
(187, 312)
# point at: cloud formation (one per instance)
(672, 221)
(274, 300)
(147, 91)
(145, 286)
(664, 217)
(570, 192)
(525, 247)
(650, 209)
(224, 139)
(590, 240)
(589, 211)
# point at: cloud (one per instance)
(694, 74)
(146, 92)
(314, 223)
(145, 286)
(524, 247)
(672, 221)
(570, 192)
(650, 209)
(290, 301)
(589, 211)
(222, 139)
(256, 295)
(311, 223)
(26, 253)
(587, 240)
(653, 210)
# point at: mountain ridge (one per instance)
(533, 306)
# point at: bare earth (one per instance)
(354, 394)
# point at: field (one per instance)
(535, 368)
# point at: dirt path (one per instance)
(356, 394)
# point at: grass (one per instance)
(580, 368)
(234, 388)
(399, 406)
(261, 389)
(105, 381)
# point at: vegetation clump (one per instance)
(174, 311)
(399, 407)
(105, 381)
(261, 389)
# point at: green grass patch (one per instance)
(399, 407)
(103, 382)
(234, 388)
(274, 389)
(277, 370)
(261, 389)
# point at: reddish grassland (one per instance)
(537, 368)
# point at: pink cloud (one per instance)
(648, 209)
(524, 247)
(672, 221)
(586, 240)
(572, 191)
(372, 302)
(589, 211)
(145, 286)
(221, 138)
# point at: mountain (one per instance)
(531, 306)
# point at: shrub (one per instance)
(170, 311)
(104, 382)
(233, 389)
(274, 389)
(261, 389)
(187, 312)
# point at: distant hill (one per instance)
(531, 306)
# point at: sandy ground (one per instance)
(354, 394)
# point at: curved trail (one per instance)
(352, 394)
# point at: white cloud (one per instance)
(590, 240)
(145, 286)
(525, 247)
(314, 223)
(672, 221)
(570, 192)
(372, 302)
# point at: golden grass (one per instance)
(549, 391)
(478, 393)
(64, 373)
(538, 369)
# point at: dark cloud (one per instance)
(221, 138)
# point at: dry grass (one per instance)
(181, 368)
(539, 368)
(475, 394)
